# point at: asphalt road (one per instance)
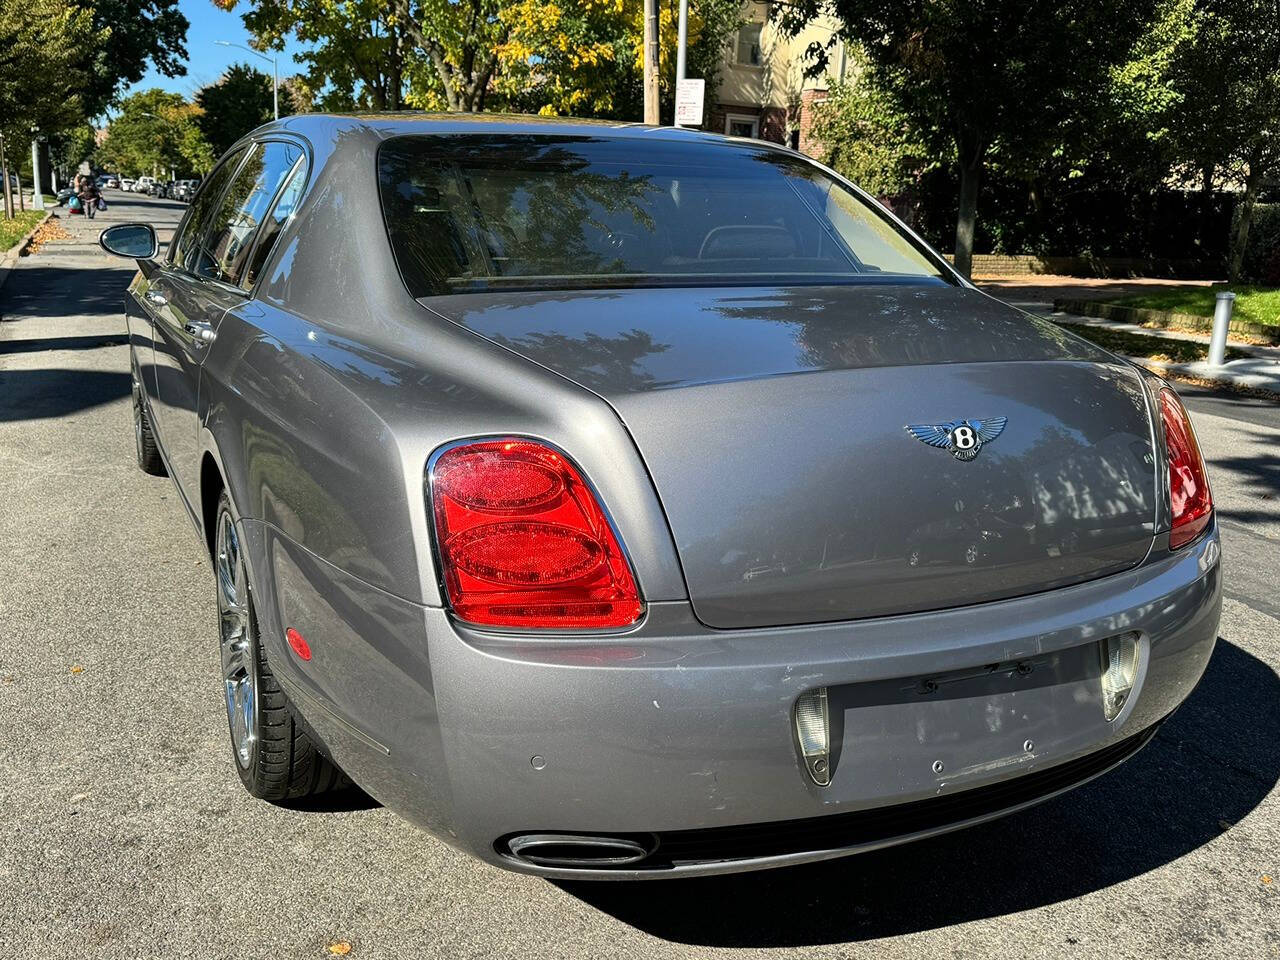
(124, 831)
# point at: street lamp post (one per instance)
(275, 72)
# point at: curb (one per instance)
(1172, 372)
(10, 256)
(1163, 319)
(1184, 336)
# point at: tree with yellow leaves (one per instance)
(584, 57)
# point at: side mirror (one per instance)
(137, 241)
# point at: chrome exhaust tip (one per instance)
(576, 851)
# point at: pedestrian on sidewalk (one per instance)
(88, 194)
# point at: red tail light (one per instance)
(1189, 497)
(523, 541)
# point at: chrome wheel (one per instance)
(239, 667)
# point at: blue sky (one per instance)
(206, 61)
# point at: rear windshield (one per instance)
(483, 212)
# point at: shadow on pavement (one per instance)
(1261, 476)
(1214, 761)
(338, 801)
(48, 291)
(63, 343)
(39, 394)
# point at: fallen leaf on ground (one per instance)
(1267, 878)
(77, 669)
(50, 230)
(340, 948)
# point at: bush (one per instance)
(1262, 254)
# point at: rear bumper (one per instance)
(682, 734)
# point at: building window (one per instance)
(749, 44)
(742, 125)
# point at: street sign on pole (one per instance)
(689, 94)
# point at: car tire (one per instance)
(273, 751)
(144, 438)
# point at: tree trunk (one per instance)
(1240, 234)
(4, 172)
(971, 151)
(395, 75)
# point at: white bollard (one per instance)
(1221, 319)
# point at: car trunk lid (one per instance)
(774, 425)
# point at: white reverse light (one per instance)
(1119, 670)
(813, 733)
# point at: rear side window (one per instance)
(482, 212)
(269, 232)
(186, 251)
(243, 207)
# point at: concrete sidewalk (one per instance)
(1258, 374)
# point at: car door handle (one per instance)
(202, 331)
(158, 299)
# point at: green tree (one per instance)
(456, 50)
(385, 54)
(1229, 118)
(867, 138)
(154, 131)
(41, 77)
(132, 33)
(356, 50)
(240, 101)
(984, 78)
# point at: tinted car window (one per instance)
(243, 206)
(274, 222)
(508, 212)
(186, 248)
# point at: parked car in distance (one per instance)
(144, 185)
(625, 502)
(164, 189)
(113, 181)
(184, 190)
(126, 184)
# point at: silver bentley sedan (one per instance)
(621, 502)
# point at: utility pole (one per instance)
(37, 188)
(682, 44)
(651, 62)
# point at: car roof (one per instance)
(323, 127)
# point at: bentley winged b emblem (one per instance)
(964, 438)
